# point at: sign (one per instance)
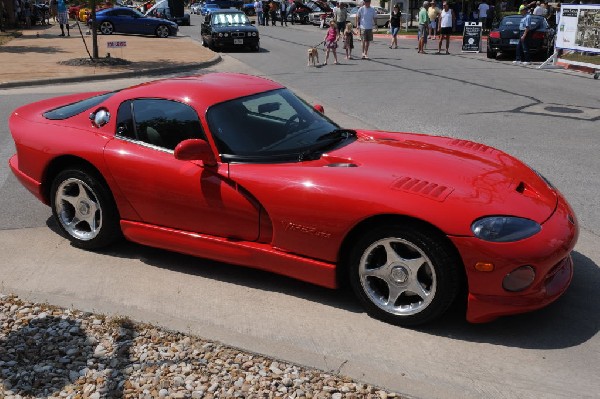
(116, 44)
(579, 28)
(472, 37)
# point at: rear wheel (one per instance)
(84, 208)
(404, 274)
(162, 31)
(106, 28)
(491, 54)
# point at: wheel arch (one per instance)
(61, 163)
(376, 221)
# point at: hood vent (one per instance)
(470, 145)
(342, 165)
(424, 188)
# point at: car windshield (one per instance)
(230, 19)
(270, 127)
(514, 21)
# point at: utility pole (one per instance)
(94, 31)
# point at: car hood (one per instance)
(234, 28)
(448, 182)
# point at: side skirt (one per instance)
(242, 253)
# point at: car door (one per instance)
(167, 192)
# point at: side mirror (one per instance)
(319, 108)
(195, 150)
(100, 117)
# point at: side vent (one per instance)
(341, 165)
(423, 188)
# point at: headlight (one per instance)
(226, 34)
(220, 35)
(504, 228)
(519, 279)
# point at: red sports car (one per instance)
(238, 169)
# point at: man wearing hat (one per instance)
(523, 44)
(365, 21)
(423, 24)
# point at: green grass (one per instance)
(588, 59)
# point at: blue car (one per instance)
(207, 8)
(128, 20)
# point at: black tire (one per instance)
(256, 48)
(106, 28)
(84, 209)
(491, 54)
(162, 31)
(423, 261)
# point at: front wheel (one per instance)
(84, 208)
(106, 28)
(404, 274)
(162, 31)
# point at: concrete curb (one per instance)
(113, 75)
(580, 68)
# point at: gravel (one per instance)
(47, 351)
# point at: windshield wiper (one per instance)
(324, 141)
(337, 134)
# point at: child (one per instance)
(331, 38)
(348, 40)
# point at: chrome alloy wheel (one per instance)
(162, 31)
(106, 28)
(397, 276)
(78, 209)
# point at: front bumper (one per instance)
(248, 41)
(548, 252)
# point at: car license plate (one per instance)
(514, 41)
(238, 41)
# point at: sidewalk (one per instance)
(35, 57)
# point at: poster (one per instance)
(579, 28)
(472, 37)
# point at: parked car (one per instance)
(320, 10)
(129, 20)
(171, 10)
(238, 169)
(505, 37)
(207, 8)
(248, 9)
(382, 18)
(195, 8)
(229, 28)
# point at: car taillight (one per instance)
(495, 35)
(538, 35)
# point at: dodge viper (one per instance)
(238, 169)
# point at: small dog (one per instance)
(313, 56)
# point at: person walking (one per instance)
(331, 38)
(273, 12)
(348, 40)
(258, 9)
(63, 17)
(522, 56)
(340, 15)
(266, 11)
(433, 13)
(292, 10)
(283, 8)
(447, 24)
(423, 20)
(395, 18)
(365, 21)
(483, 14)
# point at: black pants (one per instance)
(273, 18)
(283, 18)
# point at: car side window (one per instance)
(160, 123)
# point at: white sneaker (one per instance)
(525, 63)
(516, 62)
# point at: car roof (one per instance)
(203, 91)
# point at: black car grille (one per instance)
(238, 34)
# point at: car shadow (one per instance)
(570, 321)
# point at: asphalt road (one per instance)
(548, 118)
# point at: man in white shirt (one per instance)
(483, 13)
(539, 9)
(365, 22)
